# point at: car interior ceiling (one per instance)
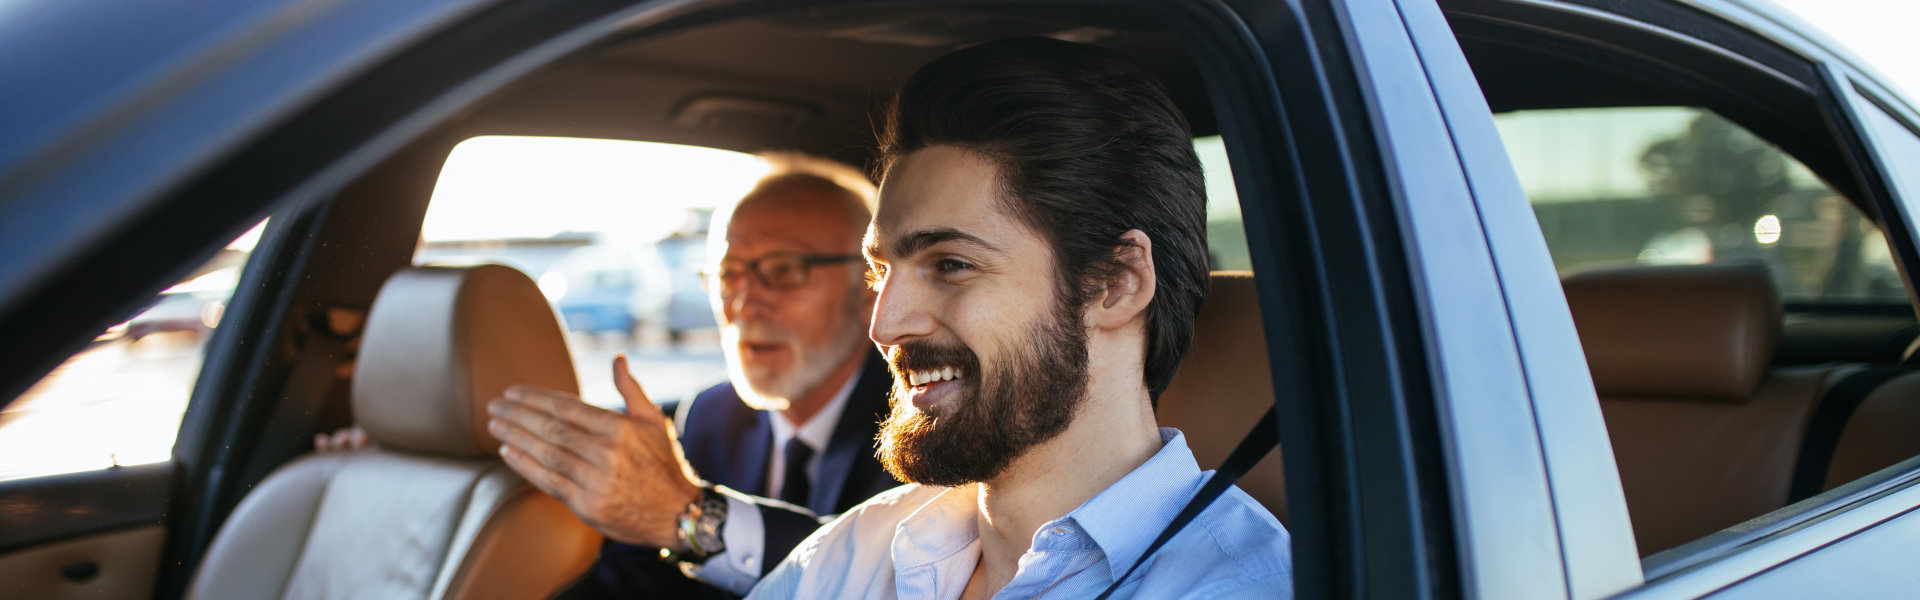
(812, 82)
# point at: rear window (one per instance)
(1679, 185)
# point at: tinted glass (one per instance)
(119, 401)
(1677, 185)
(1226, 235)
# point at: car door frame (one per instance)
(1723, 561)
(1384, 464)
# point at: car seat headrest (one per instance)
(440, 343)
(1692, 331)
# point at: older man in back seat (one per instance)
(796, 422)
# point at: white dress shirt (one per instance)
(738, 567)
(923, 542)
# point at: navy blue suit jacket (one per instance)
(729, 443)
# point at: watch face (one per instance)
(713, 516)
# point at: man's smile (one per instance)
(929, 387)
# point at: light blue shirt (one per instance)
(922, 542)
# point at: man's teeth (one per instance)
(920, 378)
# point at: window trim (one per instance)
(1724, 559)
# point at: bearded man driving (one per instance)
(1039, 253)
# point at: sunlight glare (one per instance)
(512, 187)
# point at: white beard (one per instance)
(765, 389)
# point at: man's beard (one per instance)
(764, 390)
(997, 415)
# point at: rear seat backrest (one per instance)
(430, 512)
(1884, 429)
(1224, 386)
(1704, 433)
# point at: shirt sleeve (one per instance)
(738, 568)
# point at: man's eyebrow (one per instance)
(914, 242)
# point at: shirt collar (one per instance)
(819, 429)
(1122, 519)
(1126, 517)
(938, 529)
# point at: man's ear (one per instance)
(1130, 289)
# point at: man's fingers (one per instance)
(638, 404)
(540, 476)
(552, 445)
(566, 407)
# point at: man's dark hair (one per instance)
(1087, 146)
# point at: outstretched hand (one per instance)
(623, 474)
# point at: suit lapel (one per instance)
(849, 467)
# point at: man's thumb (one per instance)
(638, 404)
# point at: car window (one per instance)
(1679, 185)
(1899, 143)
(615, 233)
(1226, 234)
(119, 401)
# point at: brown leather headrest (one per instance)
(1224, 385)
(1693, 331)
(440, 343)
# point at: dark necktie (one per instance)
(794, 488)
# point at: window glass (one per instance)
(615, 232)
(1667, 185)
(119, 401)
(1226, 235)
(1899, 147)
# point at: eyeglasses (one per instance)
(780, 271)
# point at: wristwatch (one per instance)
(699, 528)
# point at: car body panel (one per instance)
(1536, 508)
(1503, 507)
(1590, 511)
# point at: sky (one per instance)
(1879, 32)
(496, 187)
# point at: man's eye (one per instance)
(876, 274)
(949, 266)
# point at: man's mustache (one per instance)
(921, 356)
(763, 333)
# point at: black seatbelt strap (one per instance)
(1829, 420)
(1264, 437)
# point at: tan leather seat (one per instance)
(1884, 429)
(430, 512)
(1224, 386)
(1704, 432)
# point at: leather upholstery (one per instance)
(1704, 434)
(1884, 429)
(1224, 385)
(1683, 331)
(430, 512)
(1691, 468)
(440, 342)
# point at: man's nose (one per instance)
(747, 295)
(900, 313)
